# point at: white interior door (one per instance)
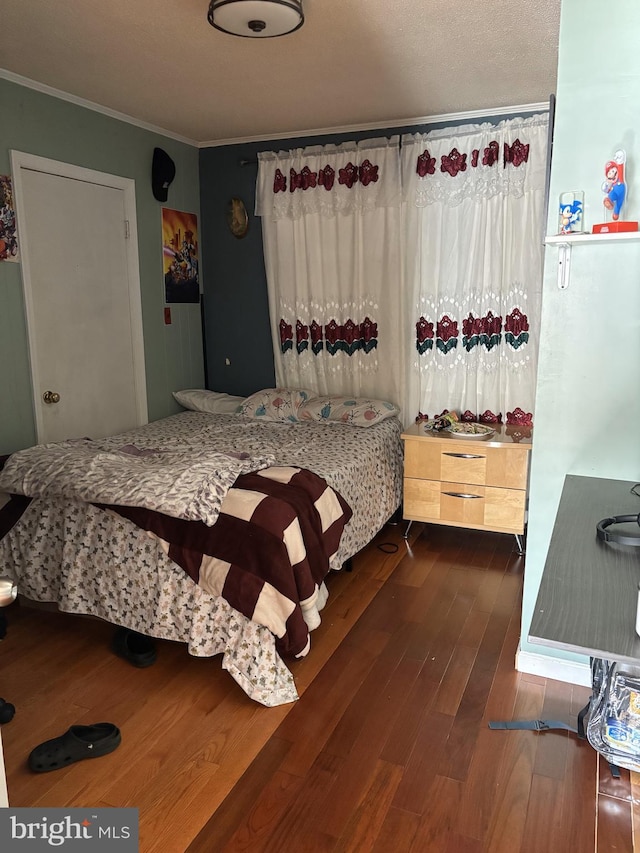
(82, 299)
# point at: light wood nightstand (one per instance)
(474, 483)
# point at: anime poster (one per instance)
(180, 256)
(8, 234)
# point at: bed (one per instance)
(240, 574)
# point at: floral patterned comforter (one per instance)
(94, 561)
(190, 483)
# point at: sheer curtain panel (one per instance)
(331, 221)
(473, 208)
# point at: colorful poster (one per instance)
(8, 233)
(180, 256)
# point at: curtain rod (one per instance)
(524, 119)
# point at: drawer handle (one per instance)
(464, 455)
(461, 495)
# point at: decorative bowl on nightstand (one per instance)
(469, 430)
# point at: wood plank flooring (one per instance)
(388, 748)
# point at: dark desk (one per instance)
(589, 590)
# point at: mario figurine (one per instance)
(614, 187)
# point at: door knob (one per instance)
(51, 397)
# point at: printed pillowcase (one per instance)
(356, 411)
(275, 404)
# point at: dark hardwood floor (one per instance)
(388, 748)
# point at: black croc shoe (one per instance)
(76, 744)
(138, 649)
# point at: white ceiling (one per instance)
(353, 64)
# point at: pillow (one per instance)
(357, 411)
(275, 404)
(199, 400)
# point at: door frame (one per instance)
(20, 160)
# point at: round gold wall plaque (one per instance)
(237, 217)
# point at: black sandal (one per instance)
(76, 744)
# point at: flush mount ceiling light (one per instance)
(256, 18)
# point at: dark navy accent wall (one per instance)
(236, 308)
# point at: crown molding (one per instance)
(445, 118)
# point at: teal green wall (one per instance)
(50, 127)
(587, 414)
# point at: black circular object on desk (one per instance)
(606, 535)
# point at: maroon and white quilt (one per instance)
(267, 554)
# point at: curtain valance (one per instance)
(329, 179)
(474, 162)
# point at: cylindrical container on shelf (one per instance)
(571, 213)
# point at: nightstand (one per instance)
(475, 483)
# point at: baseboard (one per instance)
(547, 667)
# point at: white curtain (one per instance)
(473, 208)
(331, 220)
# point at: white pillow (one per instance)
(214, 402)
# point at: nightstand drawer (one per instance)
(464, 462)
(465, 505)
(421, 499)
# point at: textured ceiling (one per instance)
(354, 63)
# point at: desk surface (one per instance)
(589, 590)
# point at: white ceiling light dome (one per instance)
(256, 18)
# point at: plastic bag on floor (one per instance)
(613, 726)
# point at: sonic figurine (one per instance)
(570, 215)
